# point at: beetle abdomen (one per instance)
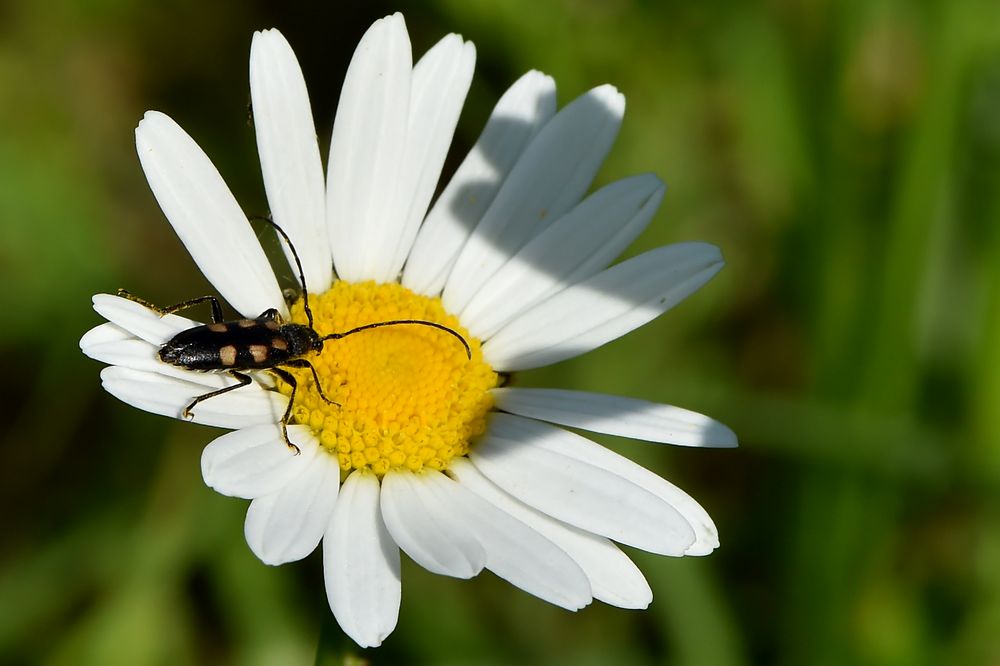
(246, 344)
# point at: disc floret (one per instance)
(408, 396)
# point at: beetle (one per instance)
(264, 343)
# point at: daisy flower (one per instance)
(427, 451)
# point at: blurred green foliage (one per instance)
(844, 155)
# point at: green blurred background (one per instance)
(844, 155)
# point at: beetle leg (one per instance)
(216, 307)
(290, 379)
(243, 379)
(302, 363)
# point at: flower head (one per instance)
(404, 441)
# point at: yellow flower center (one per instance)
(408, 395)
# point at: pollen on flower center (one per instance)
(408, 396)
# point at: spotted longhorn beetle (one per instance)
(265, 343)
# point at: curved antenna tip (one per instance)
(398, 322)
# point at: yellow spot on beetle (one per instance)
(279, 344)
(246, 323)
(259, 353)
(227, 355)
(218, 328)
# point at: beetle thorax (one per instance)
(301, 339)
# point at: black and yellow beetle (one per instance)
(265, 343)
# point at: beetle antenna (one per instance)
(298, 264)
(397, 322)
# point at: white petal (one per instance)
(517, 117)
(140, 355)
(255, 461)
(576, 246)
(607, 306)
(581, 448)
(706, 533)
(614, 415)
(549, 179)
(103, 334)
(289, 154)
(111, 344)
(529, 460)
(614, 579)
(521, 555)
(206, 217)
(139, 320)
(131, 353)
(367, 150)
(156, 393)
(451, 531)
(440, 82)
(361, 564)
(422, 515)
(287, 525)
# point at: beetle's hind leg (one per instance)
(163, 312)
(243, 379)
